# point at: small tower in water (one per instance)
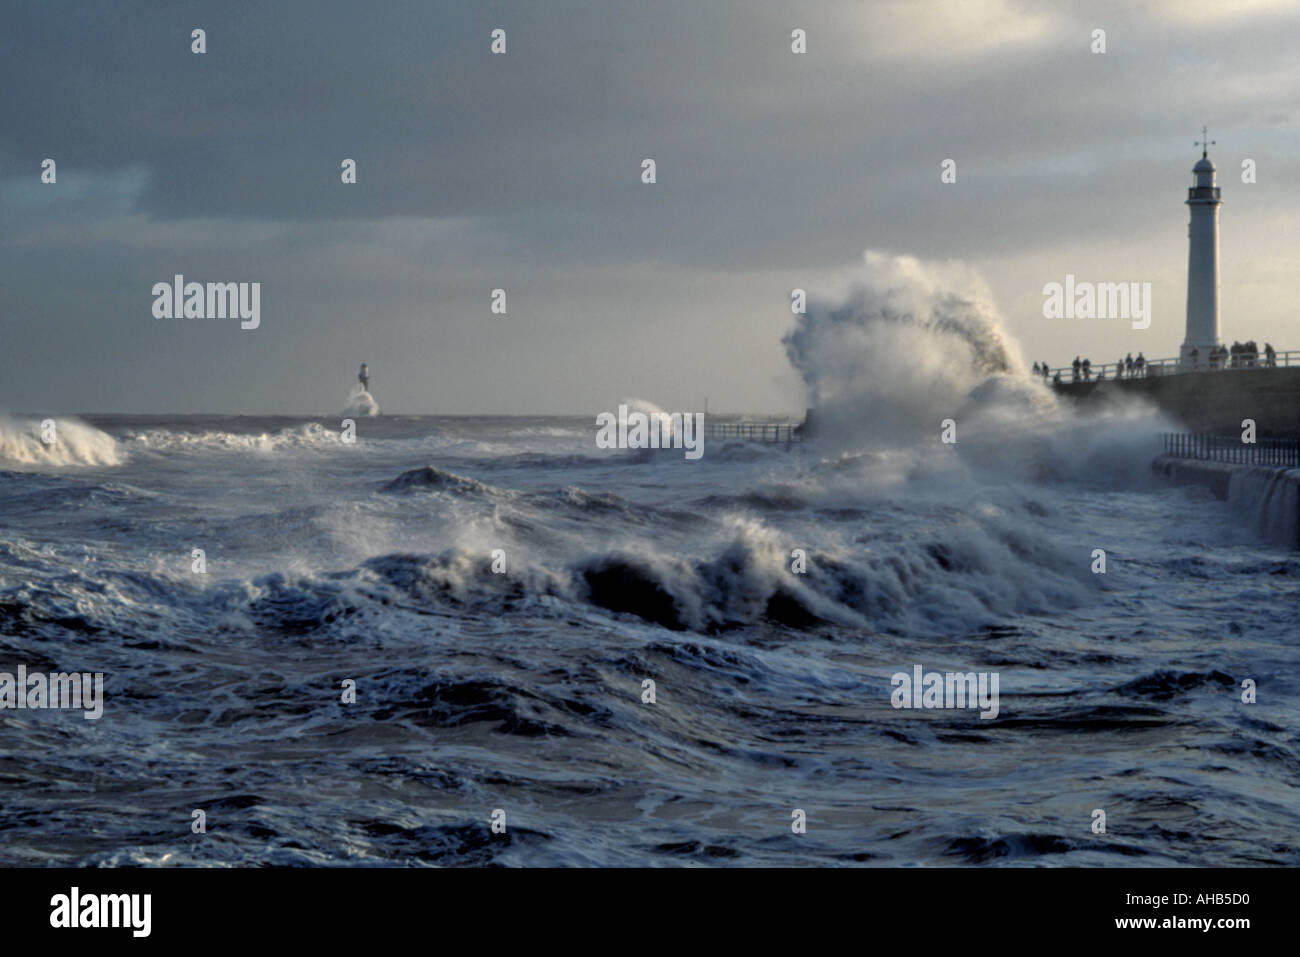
(1202, 263)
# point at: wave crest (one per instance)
(74, 443)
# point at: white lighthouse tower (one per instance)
(1202, 264)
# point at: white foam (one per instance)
(307, 435)
(74, 444)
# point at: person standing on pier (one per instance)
(1140, 365)
(1128, 365)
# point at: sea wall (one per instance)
(1216, 476)
(1267, 499)
(1210, 401)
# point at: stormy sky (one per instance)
(522, 171)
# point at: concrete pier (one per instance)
(1210, 401)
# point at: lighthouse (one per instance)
(1202, 264)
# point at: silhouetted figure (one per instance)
(1037, 371)
(1194, 354)
(1252, 354)
(1119, 369)
(1128, 365)
(1046, 371)
(1270, 356)
(1087, 370)
(1076, 365)
(1235, 352)
(1140, 364)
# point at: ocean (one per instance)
(496, 592)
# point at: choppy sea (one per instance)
(521, 688)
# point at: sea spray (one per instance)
(900, 349)
(907, 344)
(361, 402)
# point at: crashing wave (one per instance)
(71, 442)
(361, 402)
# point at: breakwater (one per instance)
(1267, 498)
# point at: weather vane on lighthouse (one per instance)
(1205, 143)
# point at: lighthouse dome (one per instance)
(1203, 165)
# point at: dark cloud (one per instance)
(523, 170)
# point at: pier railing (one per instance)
(753, 431)
(1280, 453)
(1176, 366)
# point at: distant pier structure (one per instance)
(752, 430)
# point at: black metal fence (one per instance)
(1281, 453)
(753, 431)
